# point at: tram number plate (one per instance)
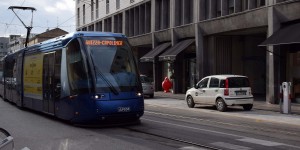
(124, 109)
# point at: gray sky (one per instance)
(50, 14)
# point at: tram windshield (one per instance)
(114, 65)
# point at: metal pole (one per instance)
(27, 27)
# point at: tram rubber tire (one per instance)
(221, 105)
(247, 107)
(190, 101)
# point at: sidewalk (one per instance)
(258, 104)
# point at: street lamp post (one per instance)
(27, 27)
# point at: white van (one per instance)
(221, 91)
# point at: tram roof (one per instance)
(61, 41)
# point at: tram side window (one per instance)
(77, 75)
(1, 72)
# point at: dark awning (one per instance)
(286, 35)
(149, 57)
(172, 52)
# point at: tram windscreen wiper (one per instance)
(98, 72)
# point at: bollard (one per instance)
(285, 100)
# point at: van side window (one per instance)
(222, 84)
(214, 83)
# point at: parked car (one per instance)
(221, 91)
(6, 140)
(147, 84)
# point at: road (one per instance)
(167, 124)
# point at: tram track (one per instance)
(173, 139)
(221, 123)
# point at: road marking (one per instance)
(247, 139)
(249, 114)
(260, 142)
(64, 145)
(194, 128)
(192, 148)
(223, 123)
(230, 146)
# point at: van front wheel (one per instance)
(190, 101)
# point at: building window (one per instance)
(78, 17)
(261, 3)
(219, 12)
(92, 10)
(131, 1)
(231, 6)
(107, 6)
(97, 8)
(83, 13)
(244, 5)
(117, 4)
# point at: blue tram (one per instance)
(83, 77)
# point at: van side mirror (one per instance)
(196, 86)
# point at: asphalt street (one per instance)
(167, 124)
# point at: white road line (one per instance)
(230, 146)
(192, 148)
(260, 142)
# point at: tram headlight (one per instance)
(99, 96)
(139, 94)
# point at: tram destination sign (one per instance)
(103, 43)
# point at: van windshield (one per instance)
(145, 79)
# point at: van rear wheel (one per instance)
(221, 105)
(248, 107)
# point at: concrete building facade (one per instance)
(186, 40)
(16, 42)
(38, 38)
(3, 46)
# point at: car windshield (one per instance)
(113, 62)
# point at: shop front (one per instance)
(286, 45)
(179, 65)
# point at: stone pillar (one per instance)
(113, 25)
(272, 68)
(156, 76)
(124, 23)
(174, 38)
(198, 5)
(153, 20)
